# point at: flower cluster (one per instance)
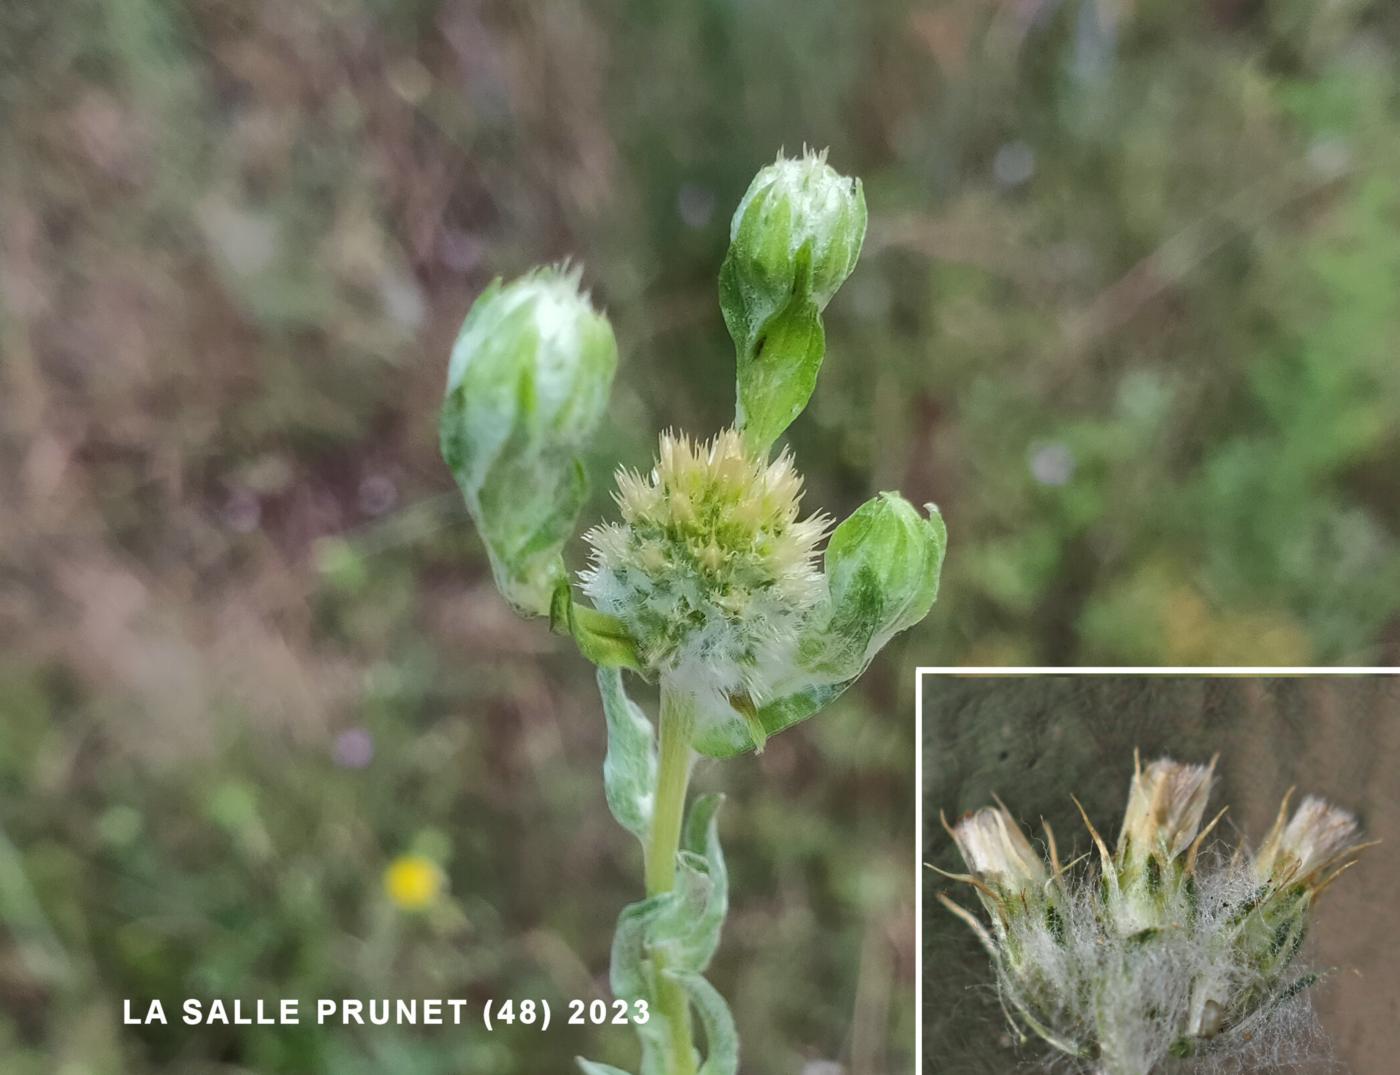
(1157, 950)
(712, 577)
(711, 569)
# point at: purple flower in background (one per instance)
(241, 512)
(1051, 463)
(1013, 164)
(377, 494)
(353, 748)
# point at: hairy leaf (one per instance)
(592, 1067)
(721, 1036)
(629, 769)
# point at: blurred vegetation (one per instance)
(1127, 314)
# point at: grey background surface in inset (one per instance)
(1038, 739)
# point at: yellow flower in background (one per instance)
(413, 882)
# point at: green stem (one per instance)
(663, 845)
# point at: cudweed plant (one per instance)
(1160, 952)
(709, 585)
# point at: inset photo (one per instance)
(1141, 873)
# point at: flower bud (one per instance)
(998, 854)
(1294, 864)
(1152, 865)
(1166, 803)
(882, 568)
(799, 228)
(793, 241)
(1314, 839)
(527, 385)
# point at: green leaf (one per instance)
(687, 930)
(882, 568)
(701, 839)
(601, 638)
(678, 931)
(629, 973)
(629, 769)
(729, 736)
(721, 1036)
(777, 367)
(683, 924)
(524, 536)
(592, 1067)
(632, 975)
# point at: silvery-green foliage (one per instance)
(794, 239)
(682, 926)
(690, 940)
(676, 932)
(727, 732)
(715, 1017)
(629, 768)
(1157, 951)
(527, 385)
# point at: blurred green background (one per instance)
(1128, 313)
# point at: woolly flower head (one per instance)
(711, 569)
(1158, 951)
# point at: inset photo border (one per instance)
(1085, 905)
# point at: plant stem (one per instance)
(677, 724)
(663, 844)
